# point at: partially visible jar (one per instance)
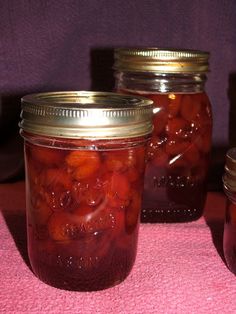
(178, 156)
(229, 182)
(84, 156)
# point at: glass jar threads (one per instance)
(178, 154)
(84, 157)
(229, 181)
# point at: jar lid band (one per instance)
(229, 177)
(82, 114)
(161, 60)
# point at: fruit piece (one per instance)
(160, 119)
(154, 146)
(120, 160)
(124, 159)
(174, 104)
(59, 199)
(46, 156)
(62, 227)
(115, 161)
(132, 212)
(83, 164)
(89, 192)
(118, 190)
(78, 191)
(91, 221)
(178, 127)
(94, 195)
(190, 107)
(54, 177)
(205, 113)
(176, 147)
(57, 186)
(120, 186)
(137, 169)
(90, 229)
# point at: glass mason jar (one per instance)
(84, 158)
(178, 154)
(229, 181)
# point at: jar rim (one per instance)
(154, 59)
(83, 114)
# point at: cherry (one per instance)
(190, 107)
(62, 227)
(46, 156)
(177, 127)
(118, 190)
(83, 164)
(174, 104)
(160, 120)
(120, 160)
(92, 221)
(89, 192)
(153, 148)
(176, 147)
(94, 196)
(132, 211)
(53, 177)
(57, 189)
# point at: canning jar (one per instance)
(84, 159)
(178, 154)
(229, 181)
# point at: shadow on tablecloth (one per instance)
(217, 230)
(16, 223)
(214, 217)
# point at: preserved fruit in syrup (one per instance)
(84, 183)
(229, 239)
(230, 235)
(87, 207)
(178, 157)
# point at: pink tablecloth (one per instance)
(179, 269)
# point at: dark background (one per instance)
(68, 45)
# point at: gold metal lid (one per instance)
(161, 60)
(84, 114)
(229, 177)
